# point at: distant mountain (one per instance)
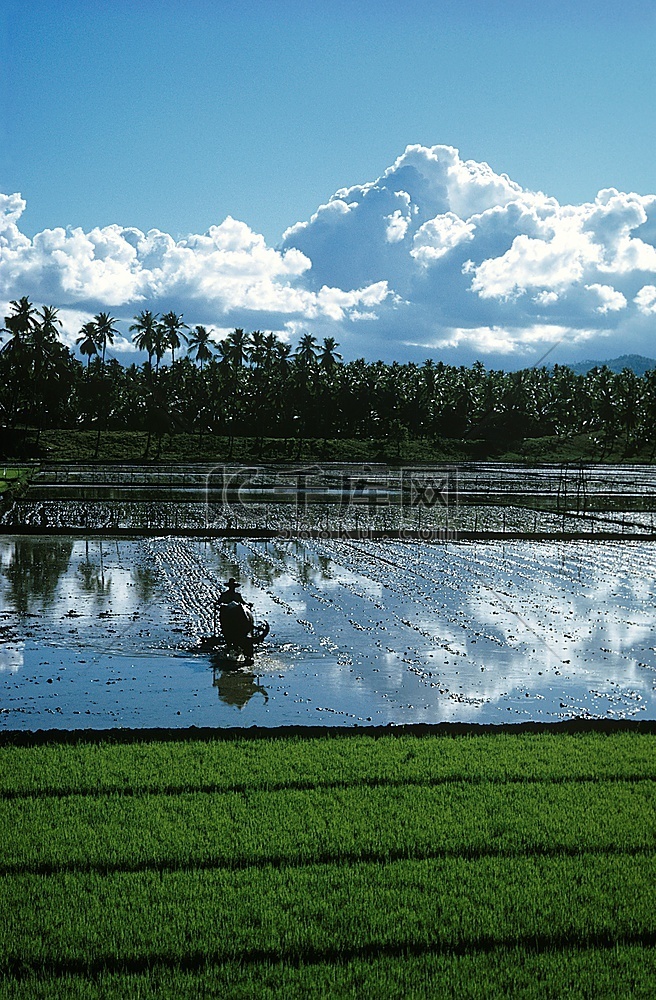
(638, 363)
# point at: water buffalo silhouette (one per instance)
(238, 628)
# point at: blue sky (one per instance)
(172, 117)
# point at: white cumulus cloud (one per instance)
(435, 238)
(507, 340)
(439, 254)
(530, 263)
(646, 300)
(610, 299)
(228, 269)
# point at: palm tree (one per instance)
(328, 356)
(627, 401)
(223, 350)
(100, 331)
(283, 354)
(271, 344)
(236, 348)
(201, 346)
(145, 330)
(43, 338)
(87, 341)
(20, 322)
(306, 352)
(304, 384)
(603, 391)
(160, 344)
(257, 348)
(106, 330)
(173, 326)
(34, 352)
(47, 323)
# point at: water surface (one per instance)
(102, 633)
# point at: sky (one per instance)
(416, 180)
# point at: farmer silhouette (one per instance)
(231, 595)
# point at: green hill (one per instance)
(638, 363)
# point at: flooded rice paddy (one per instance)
(102, 632)
(475, 499)
(286, 519)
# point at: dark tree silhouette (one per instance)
(87, 341)
(145, 332)
(106, 330)
(201, 346)
(173, 336)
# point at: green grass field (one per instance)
(120, 445)
(11, 477)
(518, 865)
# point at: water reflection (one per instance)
(360, 631)
(145, 581)
(33, 570)
(92, 574)
(237, 686)
(11, 657)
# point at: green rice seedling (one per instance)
(577, 974)
(265, 764)
(68, 922)
(347, 823)
(513, 864)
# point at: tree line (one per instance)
(256, 385)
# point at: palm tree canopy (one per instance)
(160, 342)
(283, 353)
(271, 343)
(144, 331)
(87, 340)
(106, 330)
(306, 352)
(257, 350)
(173, 326)
(48, 322)
(201, 346)
(328, 356)
(19, 323)
(237, 347)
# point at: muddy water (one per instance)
(101, 633)
(284, 500)
(287, 519)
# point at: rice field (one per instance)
(286, 500)
(501, 865)
(286, 520)
(106, 632)
(354, 865)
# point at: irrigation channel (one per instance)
(478, 593)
